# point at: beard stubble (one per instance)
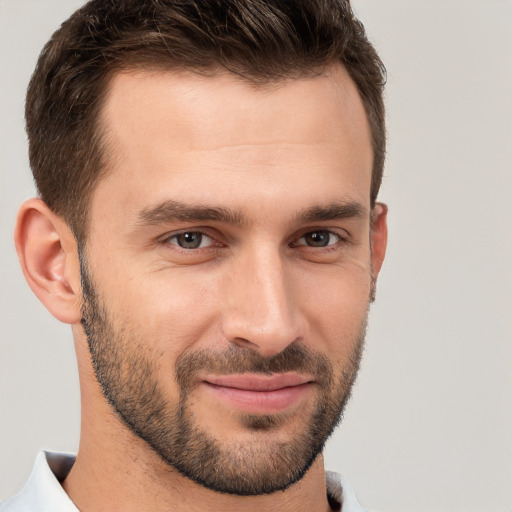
(256, 465)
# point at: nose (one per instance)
(263, 311)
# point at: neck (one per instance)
(110, 476)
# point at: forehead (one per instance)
(183, 134)
(199, 102)
(192, 105)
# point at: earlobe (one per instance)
(49, 259)
(379, 237)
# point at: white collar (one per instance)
(43, 491)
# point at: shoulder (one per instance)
(42, 492)
(341, 494)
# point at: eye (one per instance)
(319, 238)
(191, 240)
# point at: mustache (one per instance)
(294, 358)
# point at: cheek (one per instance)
(336, 304)
(173, 309)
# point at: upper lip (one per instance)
(257, 382)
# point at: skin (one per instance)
(266, 154)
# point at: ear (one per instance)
(379, 237)
(48, 255)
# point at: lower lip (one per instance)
(260, 402)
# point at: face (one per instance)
(227, 272)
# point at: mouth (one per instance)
(259, 394)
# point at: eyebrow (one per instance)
(172, 211)
(333, 211)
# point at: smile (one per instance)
(259, 394)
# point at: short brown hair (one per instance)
(259, 40)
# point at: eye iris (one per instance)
(317, 238)
(189, 240)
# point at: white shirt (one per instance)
(43, 492)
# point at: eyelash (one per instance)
(330, 246)
(167, 240)
(293, 244)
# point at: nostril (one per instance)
(243, 343)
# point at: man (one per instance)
(208, 225)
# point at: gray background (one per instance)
(430, 425)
